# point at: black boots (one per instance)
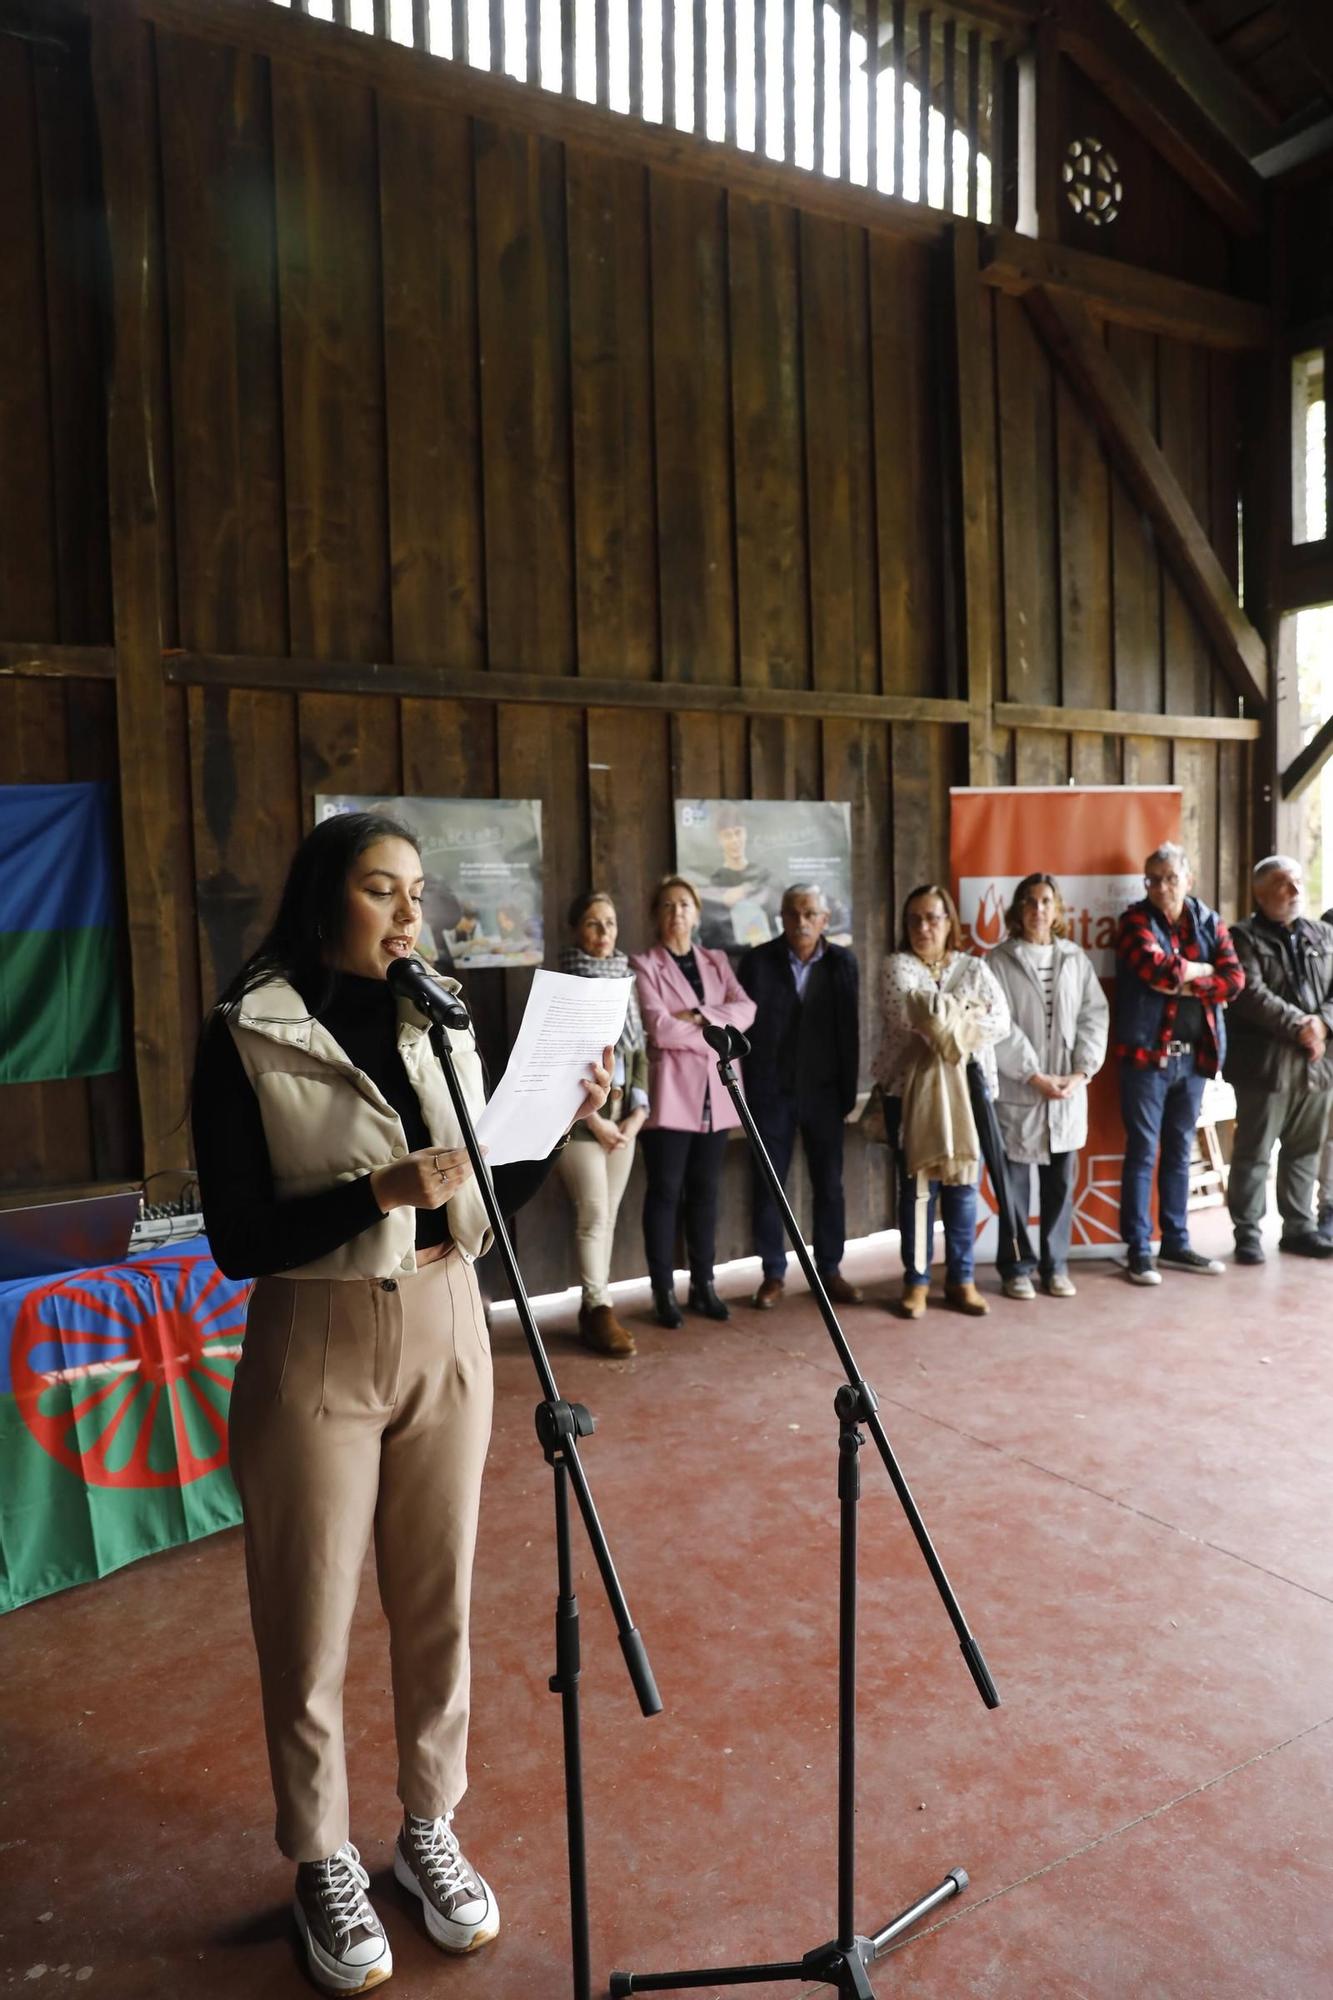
(704, 1299)
(664, 1306)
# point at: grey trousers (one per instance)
(1326, 1168)
(1055, 1181)
(1295, 1120)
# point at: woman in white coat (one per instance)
(1055, 1045)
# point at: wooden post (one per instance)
(1039, 133)
(976, 475)
(153, 839)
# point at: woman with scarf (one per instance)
(595, 1166)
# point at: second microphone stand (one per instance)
(560, 1425)
(844, 1961)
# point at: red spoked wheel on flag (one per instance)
(124, 1374)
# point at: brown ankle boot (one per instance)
(966, 1299)
(600, 1330)
(913, 1301)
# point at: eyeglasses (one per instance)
(1162, 881)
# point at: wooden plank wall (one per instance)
(55, 580)
(438, 391)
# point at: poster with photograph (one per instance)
(742, 853)
(482, 858)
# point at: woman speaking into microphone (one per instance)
(332, 1170)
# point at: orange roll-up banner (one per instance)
(1093, 840)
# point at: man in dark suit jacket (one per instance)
(800, 1076)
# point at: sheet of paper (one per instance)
(566, 1025)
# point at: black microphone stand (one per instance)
(843, 1962)
(559, 1427)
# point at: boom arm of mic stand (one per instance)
(729, 1045)
(631, 1643)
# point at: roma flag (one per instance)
(59, 1009)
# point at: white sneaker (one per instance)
(1142, 1271)
(345, 1944)
(459, 1904)
(1060, 1286)
(1020, 1287)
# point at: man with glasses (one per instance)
(1280, 1064)
(1176, 970)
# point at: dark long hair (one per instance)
(1013, 916)
(313, 908)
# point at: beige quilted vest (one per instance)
(325, 1121)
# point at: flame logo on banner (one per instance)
(988, 926)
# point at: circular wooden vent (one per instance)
(1092, 182)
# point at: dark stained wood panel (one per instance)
(631, 829)
(1083, 491)
(839, 457)
(448, 749)
(907, 457)
(348, 743)
(246, 789)
(710, 756)
(925, 761)
(226, 383)
(1184, 419)
(29, 588)
(1028, 507)
(772, 584)
(612, 386)
(1135, 560)
(432, 396)
(328, 233)
(524, 336)
(692, 404)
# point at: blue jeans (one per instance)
(958, 1211)
(1158, 1106)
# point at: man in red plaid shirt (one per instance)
(1176, 969)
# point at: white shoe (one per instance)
(1142, 1272)
(345, 1944)
(1020, 1287)
(459, 1904)
(1060, 1286)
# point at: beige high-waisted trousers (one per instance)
(361, 1405)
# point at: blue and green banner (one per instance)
(59, 1009)
(115, 1386)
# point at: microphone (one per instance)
(728, 1043)
(409, 980)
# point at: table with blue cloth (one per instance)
(114, 1389)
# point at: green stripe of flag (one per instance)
(59, 1008)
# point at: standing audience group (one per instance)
(1007, 1045)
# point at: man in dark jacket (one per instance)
(1279, 1062)
(800, 1076)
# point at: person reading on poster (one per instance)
(595, 1166)
(1279, 1063)
(1176, 970)
(332, 1170)
(738, 896)
(681, 986)
(939, 1006)
(801, 1076)
(1055, 1046)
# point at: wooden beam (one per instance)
(1307, 580)
(1124, 722)
(1305, 767)
(1188, 52)
(558, 690)
(1074, 342)
(153, 838)
(1039, 129)
(1013, 263)
(976, 487)
(41, 661)
(1123, 69)
(274, 31)
(1313, 24)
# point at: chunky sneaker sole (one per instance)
(335, 1975)
(444, 1931)
(1147, 1274)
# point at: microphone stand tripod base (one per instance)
(843, 1967)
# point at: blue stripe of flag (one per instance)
(55, 868)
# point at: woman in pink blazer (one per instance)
(681, 985)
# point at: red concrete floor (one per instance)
(1131, 1494)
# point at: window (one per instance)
(1309, 446)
